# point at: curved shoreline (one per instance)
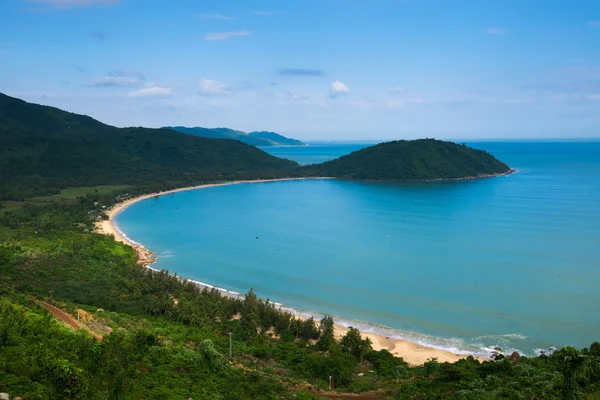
(412, 352)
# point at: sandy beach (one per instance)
(413, 353)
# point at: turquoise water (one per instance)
(315, 153)
(510, 261)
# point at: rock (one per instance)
(361, 374)
(514, 356)
(498, 348)
(4, 396)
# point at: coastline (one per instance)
(412, 352)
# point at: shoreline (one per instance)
(412, 352)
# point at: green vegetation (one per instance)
(253, 138)
(43, 149)
(165, 337)
(412, 160)
(276, 139)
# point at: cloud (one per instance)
(115, 81)
(593, 23)
(338, 89)
(216, 16)
(78, 68)
(210, 87)
(496, 31)
(98, 35)
(157, 92)
(64, 4)
(300, 72)
(125, 72)
(396, 90)
(224, 35)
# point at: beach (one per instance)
(413, 353)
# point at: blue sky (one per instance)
(313, 69)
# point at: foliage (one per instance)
(43, 149)
(411, 160)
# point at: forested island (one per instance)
(422, 159)
(149, 334)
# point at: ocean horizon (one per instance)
(463, 266)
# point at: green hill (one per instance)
(423, 159)
(43, 148)
(276, 138)
(253, 138)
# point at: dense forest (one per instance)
(421, 159)
(43, 149)
(163, 337)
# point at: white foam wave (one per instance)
(504, 338)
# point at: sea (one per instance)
(465, 266)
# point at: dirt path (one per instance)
(68, 319)
(352, 397)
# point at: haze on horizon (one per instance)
(316, 69)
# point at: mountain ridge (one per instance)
(256, 138)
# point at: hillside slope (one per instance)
(254, 138)
(43, 148)
(276, 138)
(421, 159)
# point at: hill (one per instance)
(423, 159)
(276, 138)
(43, 149)
(253, 138)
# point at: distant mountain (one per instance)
(423, 159)
(253, 138)
(276, 138)
(43, 148)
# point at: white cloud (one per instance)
(593, 23)
(496, 31)
(224, 35)
(210, 87)
(112, 81)
(217, 16)
(152, 92)
(338, 88)
(396, 89)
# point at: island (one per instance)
(404, 160)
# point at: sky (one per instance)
(313, 69)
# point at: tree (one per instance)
(327, 337)
(570, 360)
(354, 344)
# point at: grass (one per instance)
(74, 192)
(65, 196)
(6, 233)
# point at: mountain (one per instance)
(423, 159)
(276, 138)
(253, 138)
(43, 148)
